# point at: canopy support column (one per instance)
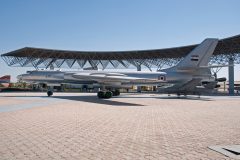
(231, 76)
(139, 69)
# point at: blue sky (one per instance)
(113, 24)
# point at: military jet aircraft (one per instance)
(192, 75)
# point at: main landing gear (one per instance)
(108, 94)
(185, 95)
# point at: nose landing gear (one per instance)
(50, 91)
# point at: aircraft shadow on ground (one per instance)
(172, 97)
(187, 98)
(25, 96)
(94, 99)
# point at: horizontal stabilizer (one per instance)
(215, 66)
(223, 79)
(195, 68)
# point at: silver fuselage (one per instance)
(61, 77)
(153, 78)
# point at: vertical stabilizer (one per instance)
(199, 56)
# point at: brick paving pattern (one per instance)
(132, 126)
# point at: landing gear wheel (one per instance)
(49, 93)
(107, 94)
(116, 92)
(178, 94)
(101, 94)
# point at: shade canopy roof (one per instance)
(37, 56)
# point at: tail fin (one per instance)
(5, 79)
(199, 56)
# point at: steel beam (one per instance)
(139, 87)
(231, 76)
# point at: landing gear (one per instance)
(101, 94)
(108, 94)
(116, 92)
(178, 94)
(184, 94)
(49, 93)
(104, 94)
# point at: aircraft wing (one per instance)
(112, 77)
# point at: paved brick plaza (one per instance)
(133, 126)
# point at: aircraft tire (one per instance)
(178, 95)
(101, 94)
(49, 93)
(116, 92)
(108, 94)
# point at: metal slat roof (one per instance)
(226, 46)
